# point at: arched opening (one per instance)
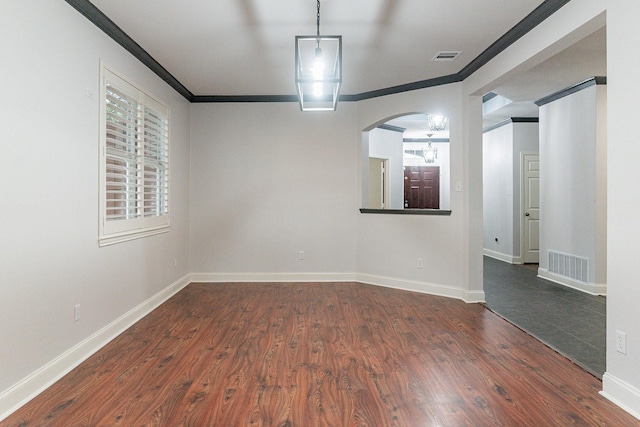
(406, 164)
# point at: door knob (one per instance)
(527, 214)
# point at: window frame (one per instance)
(145, 180)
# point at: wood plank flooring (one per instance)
(322, 354)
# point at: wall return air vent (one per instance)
(571, 266)
(449, 55)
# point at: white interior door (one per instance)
(530, 208)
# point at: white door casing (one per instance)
(378, 183)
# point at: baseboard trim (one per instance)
(502, 257)
(622, 394)
(473, 297)
(22, 392)
(271, 277)
(589, 288)
(389, 282)
(411, 285)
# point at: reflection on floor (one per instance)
(569, 321)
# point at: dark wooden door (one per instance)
(422, 187)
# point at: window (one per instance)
(134, 162)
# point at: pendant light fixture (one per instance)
(430, 153)
(318, 70)
(436, 122)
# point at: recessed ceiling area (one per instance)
(246, 47)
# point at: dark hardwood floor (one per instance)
(322, 354)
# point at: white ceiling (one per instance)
(585, 59)
(581, 61)
(246, 47)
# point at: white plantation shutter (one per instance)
(156, 163)
(134, 163)
(122, 152)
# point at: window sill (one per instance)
(436, 212)
(125, 237)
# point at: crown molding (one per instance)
(532, 20)
(598, 80)
(392, 128)
(432, 140)
(437, 81)
(488, 96)
(511, 120)
(100, 20)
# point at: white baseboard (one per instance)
(502, 257)
(272, 277)
(622, 394)
(32, 385)
(421, 287)
(472, 297)
(389, 282)
(590, 288)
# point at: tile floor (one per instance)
(569, 321)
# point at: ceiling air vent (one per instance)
(446, 55)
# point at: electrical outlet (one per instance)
(621, 342)
(175, 262)
(420, 263)
(76, 312)
(301, 255)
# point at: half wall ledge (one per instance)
(439, 212)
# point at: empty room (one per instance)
(271, 213)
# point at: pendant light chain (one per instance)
(318, 20)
